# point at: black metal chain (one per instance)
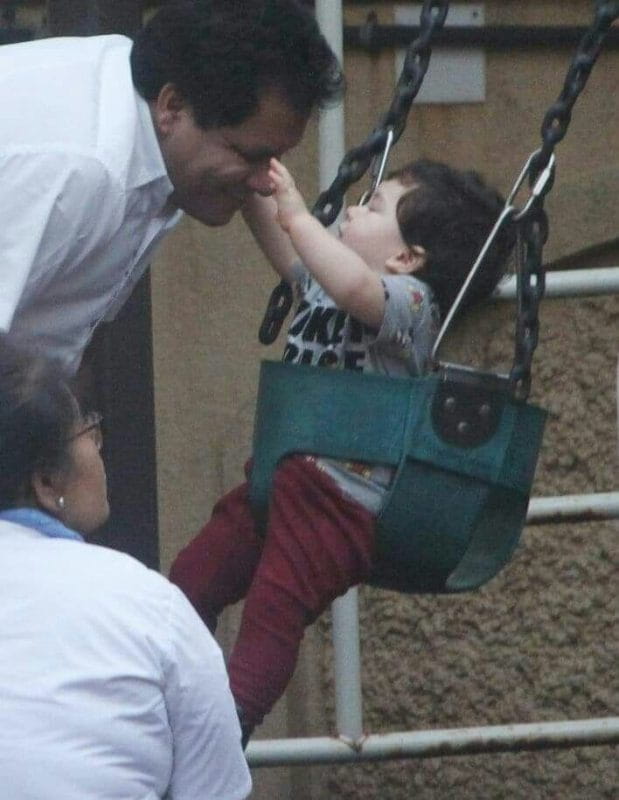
(357, 161)
(533, 222)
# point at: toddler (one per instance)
(370, 299)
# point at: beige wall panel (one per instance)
(540, 641)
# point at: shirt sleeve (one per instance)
(410, 323)
(54, 208)
(208, 762)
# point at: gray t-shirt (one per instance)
(323, 335)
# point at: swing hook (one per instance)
(377, 169)
(543, 182)
(506, 214)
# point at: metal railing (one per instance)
(435, 743)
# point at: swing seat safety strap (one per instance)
(464, 451)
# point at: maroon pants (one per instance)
(318, 544)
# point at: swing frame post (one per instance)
(345, 610)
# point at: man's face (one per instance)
(214, 170)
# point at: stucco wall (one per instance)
(537, 643)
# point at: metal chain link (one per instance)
(531, 283)
(357, 161)
(533, 221)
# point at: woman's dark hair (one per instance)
(37, 415)
(222, 54)
(450, 213)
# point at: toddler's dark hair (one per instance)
(450, 213)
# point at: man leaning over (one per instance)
(104, 144)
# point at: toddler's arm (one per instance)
(260, 214)
(344, 275)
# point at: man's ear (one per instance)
(47, 491)
(406, 261)
(166, 108)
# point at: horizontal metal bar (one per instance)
(574, 508)
(433, 743)
(373, 36)
(569, 283)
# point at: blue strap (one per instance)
(43, 523)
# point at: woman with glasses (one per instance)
(110, 686)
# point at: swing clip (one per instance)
(377, 169)
(510, 211)
(540, 187)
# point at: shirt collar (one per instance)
(150, 166)
(38, 521)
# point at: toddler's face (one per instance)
(372, 231)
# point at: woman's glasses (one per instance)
(91, 426)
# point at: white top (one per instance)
(110, 685)
(83, 189)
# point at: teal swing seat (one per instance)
(464, 451)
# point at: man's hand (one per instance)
(290, 203)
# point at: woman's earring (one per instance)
(60, 502)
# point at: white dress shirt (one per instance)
(110, 685)
(83, 189)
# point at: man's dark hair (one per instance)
(37, 415)
(222, 54)
(450, 213)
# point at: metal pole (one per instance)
(573, 508)
(569, 283)
(348, 701)
(331, 122)
(436, 743)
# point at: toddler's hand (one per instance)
(289, 201)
